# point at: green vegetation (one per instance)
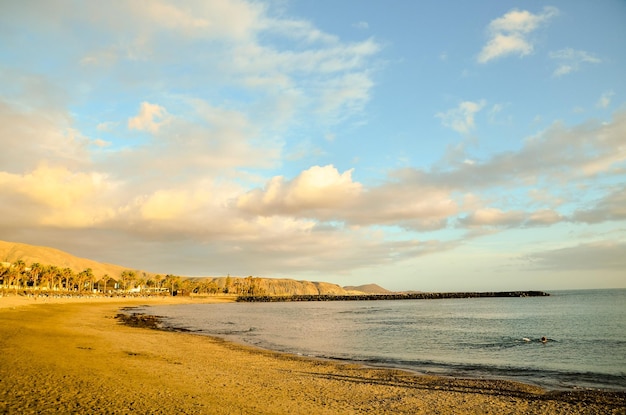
(39, 278)
(23, 268)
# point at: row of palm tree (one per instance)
(41, 277)
(37, 276)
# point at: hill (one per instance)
(368, 289)
(283, 286)
(13, 251)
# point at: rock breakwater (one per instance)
(394, 296)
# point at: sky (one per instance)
(418, 145)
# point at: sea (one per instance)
(498, 338)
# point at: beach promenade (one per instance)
(74, 356)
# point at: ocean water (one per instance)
(479, 337)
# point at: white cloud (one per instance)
(102, 57)
(150, 118)
(494, 114)
(544, 197)
(98, 142)
(410, 199)
(253, 58)
(415, 206)
(558, 153)
(236, 19)
(32, 135)
(544, 217)
(521, 21)
(169, 204)
(493, 217)
(345, 95)
(605, 99)
(570, 60)
(601, 255)
(287, 69)
(560, 156)
(107, 126)
(563, 69)
(361, 25)
(324, 194)
(57, 197)
(222, 85)
(299, 29)
(508, 35)
(332, 80)
(487, 217)
(500, 45)
(610, 207)
(318, 188)
(239, 44)
(197, 140)
(461, 119)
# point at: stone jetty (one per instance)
(394, 296)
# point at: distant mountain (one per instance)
(368, 289)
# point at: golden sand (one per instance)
(75, 357)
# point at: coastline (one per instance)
(13, 301)
(74, 356)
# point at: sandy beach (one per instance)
(74, 356)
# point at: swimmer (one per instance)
(544, 339)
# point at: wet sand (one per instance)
(74, 356)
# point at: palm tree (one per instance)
(128, 276)
(172, 282)
(92, 282)
(141, 283)
(227, 284)
(68, 275)
(3, 274)
(79, 279)
(47, 275)
(10, 274)
(36, 272)
(159, 280)
(19, 266)
(213, 288)
(83, 277)
(150, 283)
(104, 280)
(54, 274)
(188, 286)
(20, 269)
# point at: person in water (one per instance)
(543, 339)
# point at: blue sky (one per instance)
(417, 144)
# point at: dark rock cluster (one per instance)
(395, 296)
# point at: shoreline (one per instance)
(76, 357)
(459, 371)
(19, 300)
